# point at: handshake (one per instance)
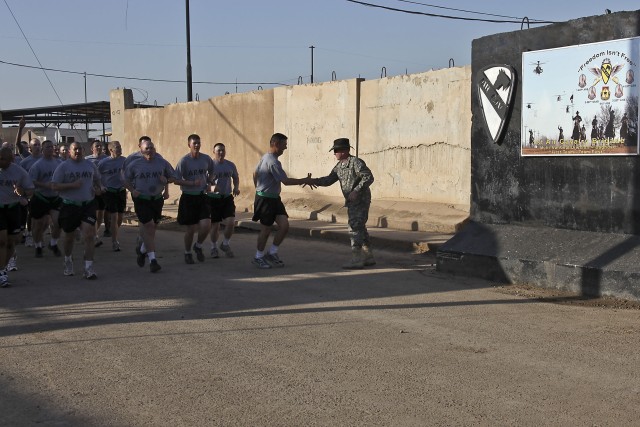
(308, 181)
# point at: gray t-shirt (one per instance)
(269, 174)
(42, 171)
(225, 172)
(191, 169)
(70, 171)
(95, 159)
(144, 175)
(112, 172)
(135, 156)
(27, 162)
(10, 178)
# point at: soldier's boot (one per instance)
(357, 260)
(368, 256)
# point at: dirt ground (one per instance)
(223, 343)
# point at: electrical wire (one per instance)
(34, 54)
(497, 21)
(140, 78)
(466, 11)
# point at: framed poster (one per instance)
(581, 100)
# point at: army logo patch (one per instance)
(495, 85)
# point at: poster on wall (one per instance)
(581, 100)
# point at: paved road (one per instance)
(222, 343)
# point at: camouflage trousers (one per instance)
(358, 215)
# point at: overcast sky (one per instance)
(257, 42)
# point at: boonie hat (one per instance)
(341, 144)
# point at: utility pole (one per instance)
(86, 119)
(311, 47)
(189, 79)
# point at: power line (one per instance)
(140, 78)
(466, 11)
(412, 12)
(34, 53)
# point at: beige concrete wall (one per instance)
(243, 122)
(415, 135)
(312, 116)
(412, 130)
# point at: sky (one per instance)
(257, 43)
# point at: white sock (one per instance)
(273, 250)
(87, 264)
(259, 254)
(151, 255)
(225, 242)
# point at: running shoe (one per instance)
(4, 281)
(12, 265)
(115, 246)
(227, 250)
(274, 260)
(188, 258)
(39, 252)
(261, 263)
(154, 267)
(140, 257)
(89, 274)
(68, 267)
(28, 241)
(199, 253)
(214, 253)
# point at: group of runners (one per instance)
(60, 188)
(72, 195)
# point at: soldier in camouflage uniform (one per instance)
(355, 178)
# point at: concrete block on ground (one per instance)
(587, 263)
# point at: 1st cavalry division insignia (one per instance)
(495, 85)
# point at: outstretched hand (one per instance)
(309, 181)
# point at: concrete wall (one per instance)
(243, 122)
(312, 116)
(571, 192)
(413, 131)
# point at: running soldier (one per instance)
(45, 205)
(35, 148)
(97, 154)
(77, 181)
(194, 172)
(113, 191)
(355, 178)
(146, 178)
(223, 208)
(268, 207)
(15, 188)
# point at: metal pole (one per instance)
(86, 121)
(311, 47)
(189, 79)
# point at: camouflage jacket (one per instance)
(353, 175)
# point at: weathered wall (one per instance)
(243, 122)
(415, 132)
(312, 116)
(572, 192)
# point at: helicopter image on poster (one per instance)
(538, 69)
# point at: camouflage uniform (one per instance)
(353, 174)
